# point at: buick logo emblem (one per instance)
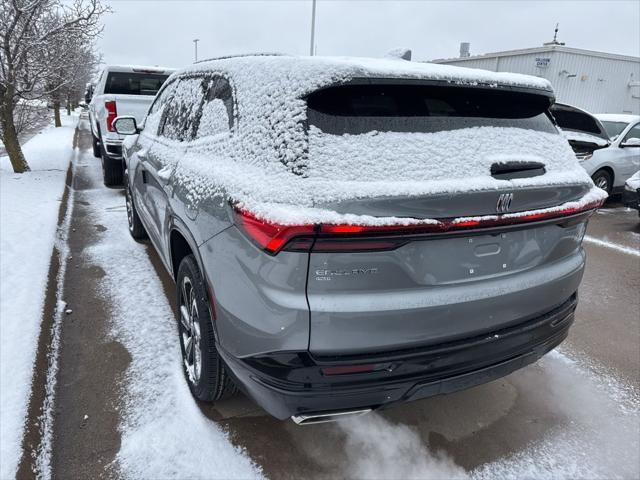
(504, 202)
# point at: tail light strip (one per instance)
(273, 237)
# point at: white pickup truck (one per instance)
(120, 90)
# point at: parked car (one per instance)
(631, 196)
(609, 162)
(120, 90)
(617, 123)
(351, 234)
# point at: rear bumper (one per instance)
(113, 148)
(293, 383)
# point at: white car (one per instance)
(609, 161)
(120, 90)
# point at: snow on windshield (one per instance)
(272, 161)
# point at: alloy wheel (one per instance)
(190, 331)
(602, 183)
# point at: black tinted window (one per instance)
(124, 83)
(356, 109)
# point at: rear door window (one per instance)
(216, 116)
(180, 119)
(134, 83)
(357, 109)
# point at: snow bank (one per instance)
(29, 205)
(164, 433)
(269, 163)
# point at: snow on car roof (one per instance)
(305, 67)
(276, 166)
(617, 117)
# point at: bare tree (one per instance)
(38, 39)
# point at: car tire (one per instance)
(97, 152)
(111, 171)
(208, 380)
(603, 180)
(136, 229)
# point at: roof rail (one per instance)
(257, 54)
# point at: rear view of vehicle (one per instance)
(368, 232)
(467, 283)
(120, 90)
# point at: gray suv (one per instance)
(349, 234)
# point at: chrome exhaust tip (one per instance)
(313, 418)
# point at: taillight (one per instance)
(112, 113)
(273, 237)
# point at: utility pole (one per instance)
(313, 27)
(195, 43)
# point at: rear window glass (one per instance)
(356, 109)
(125, 83)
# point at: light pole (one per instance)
(313, 26)
(195, 43)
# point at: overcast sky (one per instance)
(161, 32)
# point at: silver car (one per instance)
(351, 234)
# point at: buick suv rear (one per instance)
(348, 234)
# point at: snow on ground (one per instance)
(164, 434)
(596, 437)
(614, 246)
(29, 205)
(599, 436)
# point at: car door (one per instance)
(628, 156)
(160, 161)
(139, 157)
(215, 124)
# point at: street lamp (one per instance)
(313, 26)
(195, 43)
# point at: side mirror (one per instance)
(88, 94)
(631, 142)
(125, 125)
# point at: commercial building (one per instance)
(595, 81)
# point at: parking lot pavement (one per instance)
(572, 414)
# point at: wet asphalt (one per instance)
(473, 427)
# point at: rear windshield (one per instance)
(357, 109)
(614, 128)
(125, 83)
